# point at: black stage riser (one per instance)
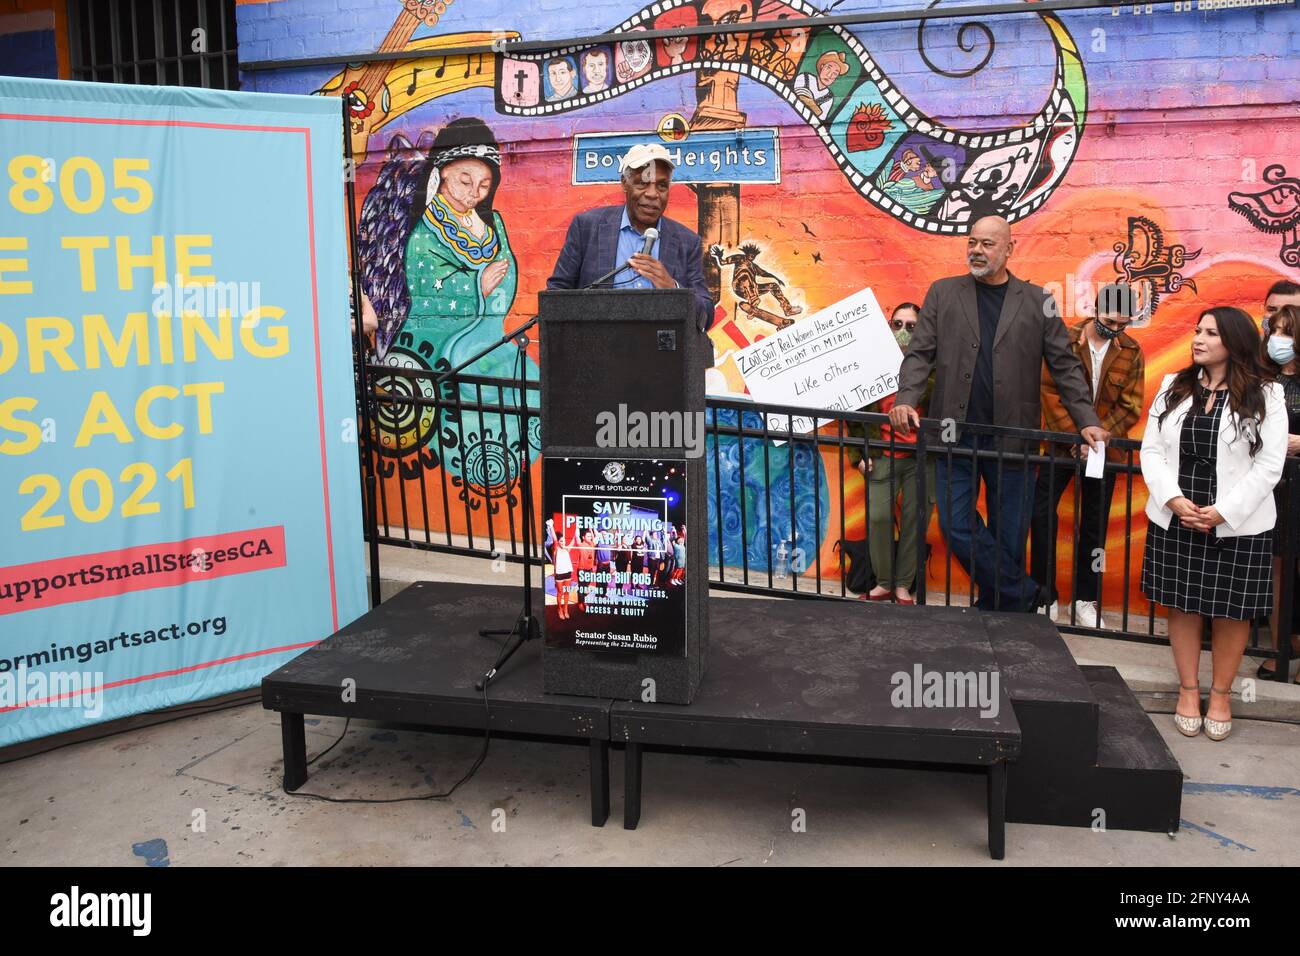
(801, 679)
(468, 714)
(797, 742)
(1147, 800)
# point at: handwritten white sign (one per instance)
(842, 358)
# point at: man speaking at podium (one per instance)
(613, 237)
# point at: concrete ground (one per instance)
(205, 790)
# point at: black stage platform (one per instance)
(814, 679)
(415, 660)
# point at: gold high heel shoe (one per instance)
(1188, 726)
(1218, 729)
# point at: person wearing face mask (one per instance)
(891, 475)
(1114, 370)
(1280, 347)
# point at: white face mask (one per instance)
(1281, 349)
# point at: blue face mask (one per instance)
(1281, 349)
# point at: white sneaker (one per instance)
(1049, 610)
(1086, 614)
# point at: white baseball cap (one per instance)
(643, 153)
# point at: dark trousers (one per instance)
(1089, 534)
(994, 553)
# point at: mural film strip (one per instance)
(927, 175)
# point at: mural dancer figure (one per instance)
(749, 291)
(437, 265)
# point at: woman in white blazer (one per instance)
(1212, 452)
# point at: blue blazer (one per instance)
(592, 243)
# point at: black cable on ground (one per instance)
(487, 708)
(487, 739)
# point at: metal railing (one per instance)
(781, 503)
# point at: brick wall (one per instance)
(1183, 108)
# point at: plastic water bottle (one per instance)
(781, 559)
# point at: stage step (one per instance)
(1089, 754)
(1053, 701)
(1134, 762)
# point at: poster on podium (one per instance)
(615, 564)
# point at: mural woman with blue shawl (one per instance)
(438, 270)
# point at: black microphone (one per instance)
(651, 235)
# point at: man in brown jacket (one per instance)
(1113, 366)
(986, 335)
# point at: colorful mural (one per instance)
(1120, 142)
(832, 83)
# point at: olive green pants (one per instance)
(880, 519)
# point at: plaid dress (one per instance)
(1198, 572)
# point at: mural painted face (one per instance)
(561, 75)
(1207, 347)
(988, 248)
(594, 68)
(646, 201)
(465, 183)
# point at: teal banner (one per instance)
(179, 497)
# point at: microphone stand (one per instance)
(526, 626)
(607, 276)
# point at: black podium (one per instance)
(623, 493)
